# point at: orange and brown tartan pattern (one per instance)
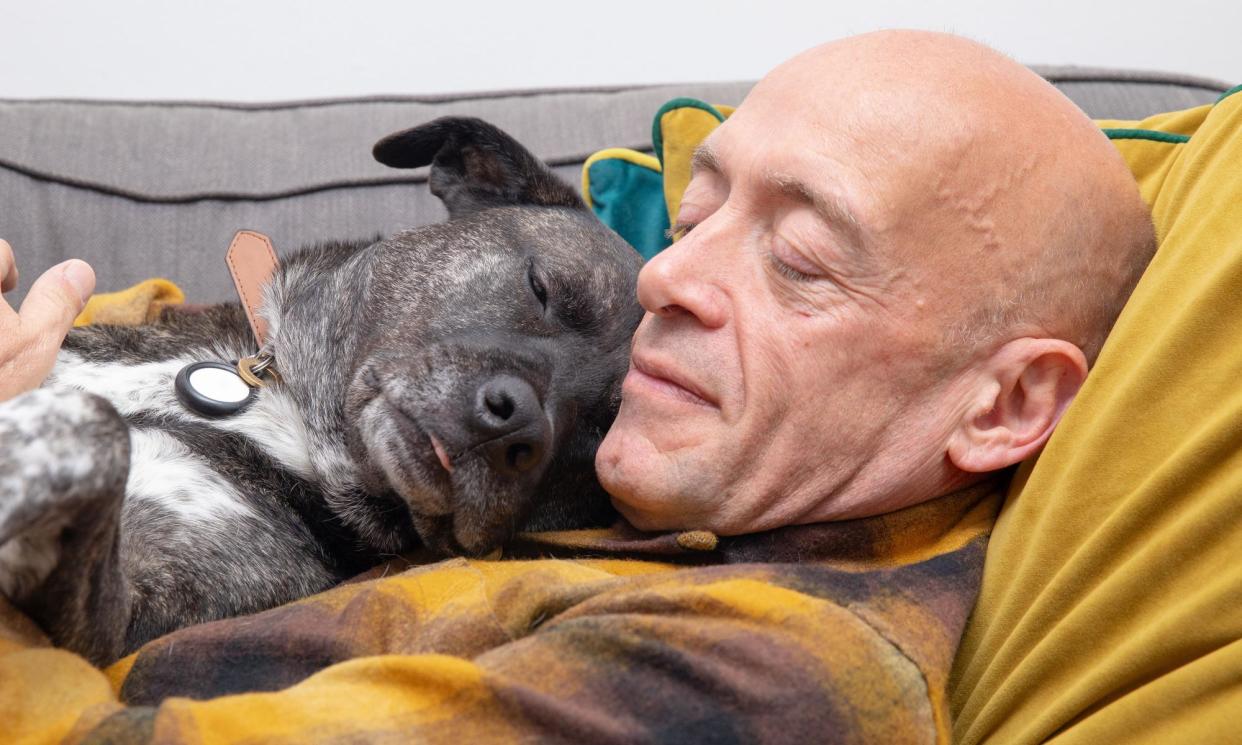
(836, 632)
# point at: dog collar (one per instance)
(215, 388)
(252, 262)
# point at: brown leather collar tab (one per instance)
(252, 262)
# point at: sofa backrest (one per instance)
(145, 188)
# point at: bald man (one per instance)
(897, 260)
(899, 257)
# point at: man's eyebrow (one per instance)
(704, 159)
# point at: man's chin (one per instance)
(642, 481)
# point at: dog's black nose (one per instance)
(509, 421)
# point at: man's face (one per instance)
(789, 367)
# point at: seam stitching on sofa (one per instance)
(1203, 85)
(1062, 76)
(224, 196)
(1058, 76)
(1141, 77)
(447, 98)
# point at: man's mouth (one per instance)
(663, 378)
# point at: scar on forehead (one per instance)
(975, 202)
(831, 208)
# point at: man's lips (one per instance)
(656, 374)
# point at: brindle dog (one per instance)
(439, 388)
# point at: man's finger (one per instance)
(56, 298)
(8, 267)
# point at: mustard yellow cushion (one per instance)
(1111, 607)
(141, 303)
(679, 126)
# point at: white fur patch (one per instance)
(30, 457)
(276, 425)
(164, 471)
(273, 422)
(130, 387)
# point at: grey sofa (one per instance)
(142, 188)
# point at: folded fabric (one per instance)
(141, 303)
(840, 632)
(1111, 608)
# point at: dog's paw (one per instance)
(59, 434)
(59, 449)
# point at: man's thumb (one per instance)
(56, 298)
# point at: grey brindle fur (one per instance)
(503, 333)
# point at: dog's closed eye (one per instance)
(536, 285)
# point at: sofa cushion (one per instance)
(145, 189)
(1109, 610)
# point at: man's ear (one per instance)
(1023, 390)
(475, 166)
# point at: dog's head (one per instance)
(493, 368)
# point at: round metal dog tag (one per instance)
(213, 389)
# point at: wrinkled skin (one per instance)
(889, 284)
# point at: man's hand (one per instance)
(31, 336)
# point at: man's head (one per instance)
(898, 256)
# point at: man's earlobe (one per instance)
(1025, 387)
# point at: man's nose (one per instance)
(683, 279)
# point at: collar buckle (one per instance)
(255, 368)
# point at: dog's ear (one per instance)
(475, 165)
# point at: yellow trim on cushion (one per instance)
(683, 102)
(681, 129)
(1183, 122)
(618, 153)
(1151, 159)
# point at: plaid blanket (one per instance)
(836, 632)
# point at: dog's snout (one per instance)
(500, 400)
(516, 454)
(510, 420)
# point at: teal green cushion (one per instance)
(629, 198)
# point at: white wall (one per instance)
(233, 49)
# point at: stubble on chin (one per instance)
(617, 460)
(634, 472)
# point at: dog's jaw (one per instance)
(465, 511)
(316, 309)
